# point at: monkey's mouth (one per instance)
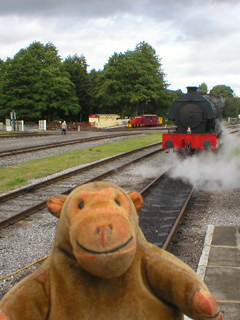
(107, 251)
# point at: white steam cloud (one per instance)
(209, 170)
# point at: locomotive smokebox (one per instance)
(192, 89)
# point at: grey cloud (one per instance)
(63, 7)
(185, 33)
(159, 9)
(231, 2)
(206, 23)
(206, 29)
(156, 8)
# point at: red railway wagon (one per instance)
(144, 121)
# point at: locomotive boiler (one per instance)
(197, 117)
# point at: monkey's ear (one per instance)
(137, 199)
(55, 204)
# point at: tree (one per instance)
(95, 83)
(114, 84)
(133, 82)
(22, 79)
(203, 87)
(2, 72)
(231, 101)
(76, 66)
(55, 97)
(1, 66)
(222, 91)
(173, 95)
(150, 88)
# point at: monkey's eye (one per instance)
(117, 202)
(81, 205)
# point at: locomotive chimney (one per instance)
(192, 89)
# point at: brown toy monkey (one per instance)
(101, 267)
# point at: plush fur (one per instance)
(101, 267)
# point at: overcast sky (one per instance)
(198, 41)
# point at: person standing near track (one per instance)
(64, 127)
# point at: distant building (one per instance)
(103, 120)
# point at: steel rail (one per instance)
(23, 135)
(171, 234)
(12, 152)
(177, 222)
(180, 215)
(38, 185)
(13, 219)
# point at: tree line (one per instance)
(37, 84)
(232, 102)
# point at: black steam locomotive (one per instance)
(198, 120)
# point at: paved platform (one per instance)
(222, 274)
(219, 267)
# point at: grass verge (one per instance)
(13, 177)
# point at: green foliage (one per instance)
(232, 103)
(173, 95)
(222, 91)
(203, 87)
(38, 85)
(56, 94)
(232, 108)
(132, 82)
(32, 84)
(77, 68)
(95, 81)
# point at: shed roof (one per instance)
(102, 114)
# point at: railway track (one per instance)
(33, 197)
(165, 201)
(157, 128)
(23, 135)
(16, 151)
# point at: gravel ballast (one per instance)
(31, 239)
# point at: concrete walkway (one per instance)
(219, 267)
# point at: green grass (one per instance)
(16, 181)
(13, 177)
(236, 152)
